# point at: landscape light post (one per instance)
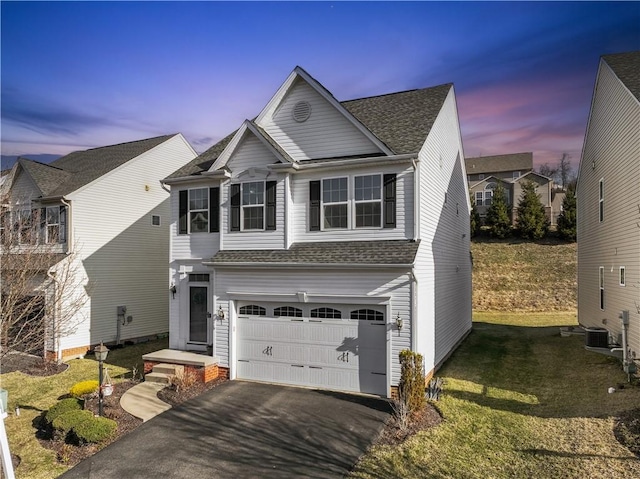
(101, 355)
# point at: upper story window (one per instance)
(47, 225)
(199, 210)
(364, 201)
(623, 280)
(252, 206)
(368, 201)
(601, 200)
(52, 224)
(488, 194)
(481, 176)
(335, 203)
(5, 226)
(26, 231)
(516, 174)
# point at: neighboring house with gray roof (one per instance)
(505, 167)
(104, 214)
(608, 206)
(321, 238)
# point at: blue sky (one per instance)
(76, 75)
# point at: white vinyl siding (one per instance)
(124, 261)
(404, 208)
(610, 155)
(443, 265)
(326, 134)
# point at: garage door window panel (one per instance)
(253, 310)
(367, 315)
(288, 312)
(326, 313)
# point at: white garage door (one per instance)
(341, 347)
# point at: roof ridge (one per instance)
(398, 92)
(24, 158)
(127, 142)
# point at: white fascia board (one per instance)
(357, 162)
(292, 265)
(310, 298)
(231, 146)
(264, 141)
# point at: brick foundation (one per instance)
(203, 373)
(427, 378)
(70, 353)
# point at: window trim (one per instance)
(249, 310)
(48, 240)
(336, 203)
(480, 194)
(159, 221)
(287, 309)
(262, 205)
(325, 312)
(601, 200)
(601, 286)
(622, 276)
(379, 201)
(189, 210)
(368, 313)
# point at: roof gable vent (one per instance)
(301, 111)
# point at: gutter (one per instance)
(298, 265)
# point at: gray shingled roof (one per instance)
(495, 164)
(400, 120)
(389, 252)
(626, 66)
(79, 168)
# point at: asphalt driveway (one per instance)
(246, 430)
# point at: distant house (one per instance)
(105, 211)
(322, 238)
(514, 170)
(608, 204)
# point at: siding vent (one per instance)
(301, 111)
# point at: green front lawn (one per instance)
(519, 401)
(33, 395)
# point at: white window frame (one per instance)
(25, 225)
(515, 175)
(197, 210)
(601, 286)
(622, 276)
(488, 193)
(601, 200)
(253, 206)
(479, 198)
(159, 221)
(47, 238)
(334, 203)
(368, 201)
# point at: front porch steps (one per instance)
(162, 373)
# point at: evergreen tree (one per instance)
(475, 218)
(497, 218)
(567, 221)
(532, 222)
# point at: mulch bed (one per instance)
(30, 364)
(393, 434)
(175, 398)
(627, 430)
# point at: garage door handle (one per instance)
(379, 374)
(297, 366)
(347, 356)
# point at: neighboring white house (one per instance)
(105, 211)
(608, 204)
(320, 239)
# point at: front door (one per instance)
(198, 314)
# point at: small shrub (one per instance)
(61, 407)
(532, 222)
(95, 430)
(84, 387)
(498, 220)
(411, 388)
(65, 423)
(183, 380)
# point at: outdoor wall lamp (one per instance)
(399, 322)
(220, 312)
(173, 291)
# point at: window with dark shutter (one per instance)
(183, 210)
(271, 205)
(235, 207)
(214, 210)
(314, 205)
(390, 200)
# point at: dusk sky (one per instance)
(78, 75)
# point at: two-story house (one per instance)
(608, 207)
(321, 238)
(93, 226)
(511, 170)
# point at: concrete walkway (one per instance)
(142, 401)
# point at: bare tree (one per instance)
(549, 171)
(565, 170)
(40, 295)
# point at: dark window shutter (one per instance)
(235, 207)
(314, 205)
(183, 207)
(271, 205)
(63, 224)
(390, 200)
(214, 210)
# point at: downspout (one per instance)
(69, 228)
(56, 339)
(416, 202)
(414, 310)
